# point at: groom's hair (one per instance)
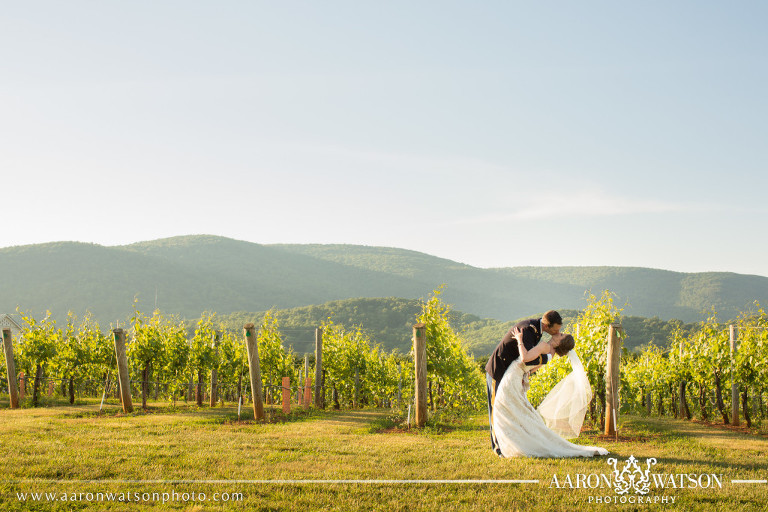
(565, 346)
(552, 317)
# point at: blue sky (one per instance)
(491, 133)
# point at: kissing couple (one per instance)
(519, 430)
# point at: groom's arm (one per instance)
(539, 362)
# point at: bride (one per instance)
(521, 430)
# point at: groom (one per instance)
(529, 333)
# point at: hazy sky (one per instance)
(491, 133)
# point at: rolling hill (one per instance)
(190, 274)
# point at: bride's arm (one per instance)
(535, 352)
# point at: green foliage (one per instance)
(203, 354)
(648, 373)
(591, 332)
(73, 356)
(697, 354)
(345, 356)
(704, 352)
(146, 346)
(274, 361)
(590, 329)
(384, 373)
(449, 366)
(154, 351)
(176, 358)
(702, 357)
(233, 361)
(389, 321)
(751, 359)
(85, 353)
(99, 346)
(38, 344)
(641, 332)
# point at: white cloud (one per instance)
(586, 203)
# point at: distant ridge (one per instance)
(191, 274)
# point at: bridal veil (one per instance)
(564, 408)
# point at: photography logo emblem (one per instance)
(632, 477)
(634, 482)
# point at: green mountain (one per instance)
(190, 274)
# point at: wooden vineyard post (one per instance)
(10, 366)
(254, 370)
(322, 389)
(213, 394)
(420, 363)
(286, 395)
(307, 392)
(23, 386)
(357, 388)
(300, 391)
(319, 368)
(734, 385)
(303, 382)
(612, 360)
(122, 370)
(685, 412)
(199, 389)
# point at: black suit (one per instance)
(506, 352)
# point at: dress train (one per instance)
(520, 430)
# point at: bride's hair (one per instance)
(565, 346)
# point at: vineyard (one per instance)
(709, 372)
(210, 363)
(82, 449)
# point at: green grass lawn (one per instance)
(74, 451)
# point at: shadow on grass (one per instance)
(354, 416)
(221, 415)
(442, 421)
(676, 428)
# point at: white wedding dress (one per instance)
(521, 430)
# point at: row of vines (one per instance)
(693, 375)
(690, 376)
(169, 358)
